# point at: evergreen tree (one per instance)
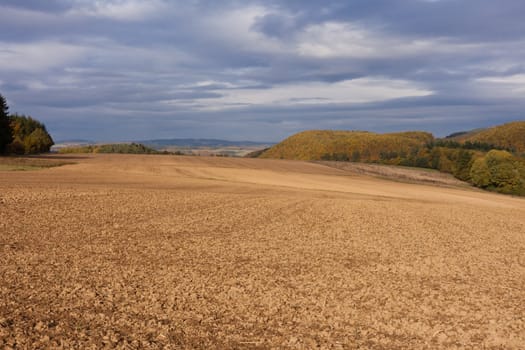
(5, 128)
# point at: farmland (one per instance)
(134, 251)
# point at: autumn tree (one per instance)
(29, 136)
(38, 141)
(499, 171)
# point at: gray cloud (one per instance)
(128, 69)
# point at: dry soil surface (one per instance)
(214, 253)
(397, 173)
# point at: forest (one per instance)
(498, 166)
(21, 134)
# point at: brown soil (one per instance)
(198, 253)
(399, 173)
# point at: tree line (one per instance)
(489, 165)
(496, 169)
(20, 134)
(126, 148)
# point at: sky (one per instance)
(122, 70)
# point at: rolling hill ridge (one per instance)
(492, 159)
(510, 136)
(346, 145)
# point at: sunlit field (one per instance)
(180, 252)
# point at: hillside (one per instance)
(509, 136)
(398, 173)
(480, 158)
(347, 145)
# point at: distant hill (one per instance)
(126, 148)
(509, 136)
(177, 146)
(347, 145)
(76, 142)
(163, 143)
(192, 143)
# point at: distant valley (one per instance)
(187, 146)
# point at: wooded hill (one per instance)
(487, 161)
(347, 145)
(509, 136)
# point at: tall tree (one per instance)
(30, 136)
(5, 128)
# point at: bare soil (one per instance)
(165, 252)
(399, 173)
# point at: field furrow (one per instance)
(183, 253)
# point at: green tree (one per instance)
(499, 171)
(504, 172)
(463, 164)
(5, 128)
(480, 173)
(435, 156)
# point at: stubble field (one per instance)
(215, 253)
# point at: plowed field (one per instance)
(214, 253)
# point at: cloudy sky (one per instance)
(261, 70)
